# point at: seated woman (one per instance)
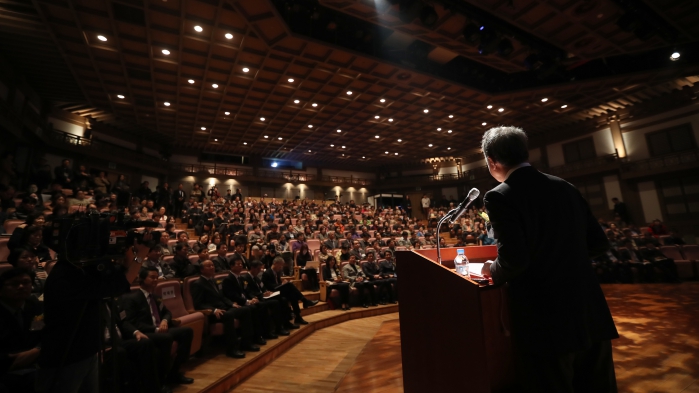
(201, 244)
(302, 257)
(32, 239)
(15, 241)
(333, 278)
(25, 259)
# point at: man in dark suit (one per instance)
(180, 263)
(19, 338)
(331, 243)
(207, 295)
(148, 314)
(64, 175)
(240, 252)
(221, 263)
(272, 278)
(372, 270)
(178, 198)
(233, 290)
(255, 289)
(561, 329)
(621, 210)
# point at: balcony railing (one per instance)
(288, 176)
(103, 148)
(213, 170)
(661, 162)
(591, 163)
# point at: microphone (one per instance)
(473, 194)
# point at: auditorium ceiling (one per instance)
(354, 83)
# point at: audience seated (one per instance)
(273, 281)
(354, 274)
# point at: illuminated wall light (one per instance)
(363, 156)
(166, 52)
(400, 140)
(215, 140)
(309, 151)
(102, 38)
(332, 145)
(245, 143)
(675, 56)
(229, 36)
(448, 148)
(166, 103)
(386, 152)
(198, 29)
(343, 147)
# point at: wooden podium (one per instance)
(454, 335)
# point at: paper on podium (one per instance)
(272, 295)
(476, 269)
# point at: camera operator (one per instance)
(72, 336)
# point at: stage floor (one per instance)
(658, 350)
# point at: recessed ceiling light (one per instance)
(430, 145)
(363, 156)
(246, 69)
(451, 116)
(198, 29)
(291, 80)
(332, 145)
(343, 147)
(376, 117)
(229, 36)
(382, 100)
(343, 154)
(310, 126)
(102, 38)
(203, 128)
(349, 93)
(439, 129)
(426, 111)
(339, 130)
(166, 103)
(262, 119)
(448, 148)
(395, 153)
(449, 131)
(309, 151)
(227, 113)
(296, 101)
(166, 52)
(675, 56)
(564, 106)
(215, 140)
(245, 143)
(484, 123)
(280, 138)
(490, 107)
(376, 136)
(121, 96)
(314, 105)
(544, 99)
(400, 140)
(266, 136)
(191, 81)
(386, 152)
(215, 86)
(501, 110)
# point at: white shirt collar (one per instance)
(144, 292)
(522, 165)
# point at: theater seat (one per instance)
(691, 252)
(10, 225)
(4, 250)
(211, 329)
(5, 267)
(197, 321)
(685, 268)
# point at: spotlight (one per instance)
(675, 56)
(274, 165)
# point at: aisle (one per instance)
(318, 363)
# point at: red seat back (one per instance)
(187, 293)
(171, 294)
(671, 252)
(4, 250)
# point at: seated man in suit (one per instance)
(233, 290)
(221, 263)
(207, 295)
(240, 252)
(19, 337)
(180, 263)
(255, 289)
(149, 315)
(355, 275)
(372, 271)
(153, 259)
(331, 243)
(357, 250)
(272, 278)
(388, 272)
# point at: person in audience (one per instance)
(372, 271)
(149, 315)
(657, 229)
(27, 207)
(333, 278)
(388, 271)
(255, 289)
(621, 210)
(207, 295)
(35, 219)
(24, 258)
(64, 174)
(102, 184)
(221, 262)
(201, 244)
(165, 247)
(353, 273)
(649, 238)
(332, 243)
(154, 260)
(343, 254)
(32, 238)
(180, 263)
(272, 278)
(233, 290)
(673, 239)
(19, 331)
(303, 256)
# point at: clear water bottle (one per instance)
(461, 262)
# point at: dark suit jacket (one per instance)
(271, 280)
(183, 267)
(332, 244)
(546, 235)
(206, 297)
(15, 338)
(138, 311)
(221, 263)
(233, 290)
(252, 286)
